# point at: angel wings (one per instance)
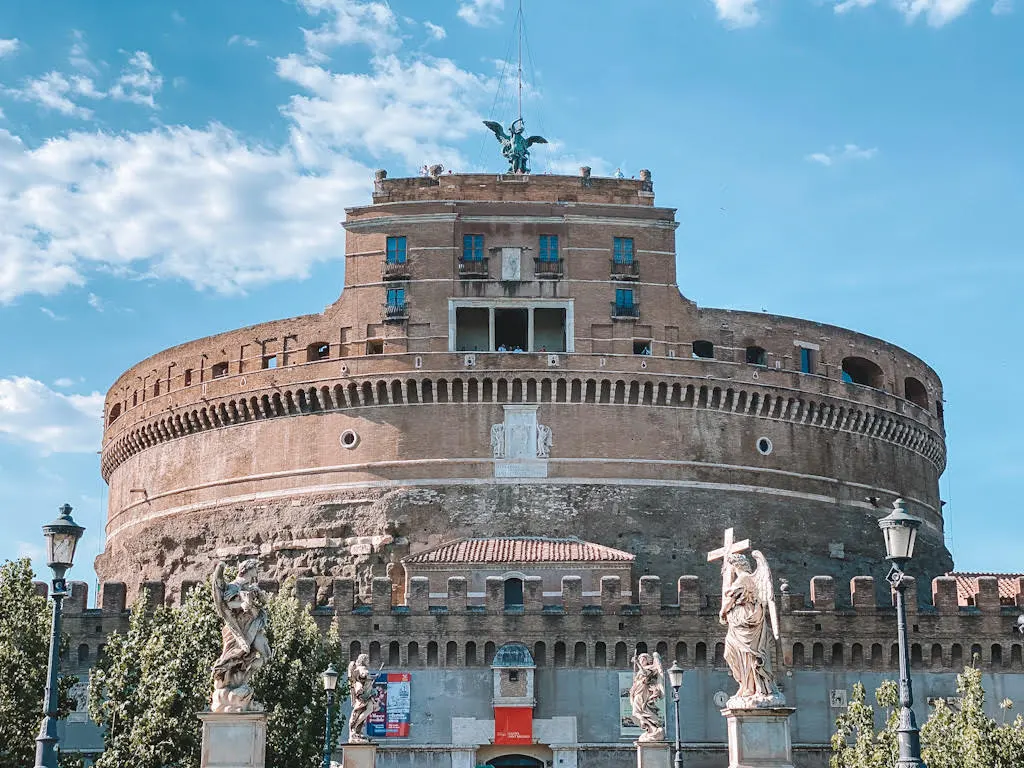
(766, 589)
(514, 146)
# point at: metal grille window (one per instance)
(472, 247)
(623, 250)
(396, 297)
(549, 248)
(624, 297)
(396, 250)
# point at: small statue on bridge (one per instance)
(515, 147)
(647, 689)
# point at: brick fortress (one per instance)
(513, 428)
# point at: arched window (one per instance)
(414, 654)
(936, 655)
(394, 654)
(559, 654)
(620, 655)
(513, 592)
(719, 654)
(470, 654)
(818, 655)
(488, 652)
(757, 356)
(579, 655)
(700, 654)
(374, 652)
(798, 654)
(915, 392)
(83, 654)
(601, 654)
(860, 370)
(451, 654)
(219, 370)
(318, 350)
(956, 655)
(540, 654)
(432, 654)
(856, 655)
(115, 411)
(354, 649)
(703, 349)
(837, 654)
(997, 656)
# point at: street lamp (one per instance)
(62, 537)
(675, 679)
(900, 532)
(330, 678)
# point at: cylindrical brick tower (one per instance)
(511, 355)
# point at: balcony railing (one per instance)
(395, 312)
(628, 270)
(545, 269)
(473, 267)
(625, 311)
(395, 270)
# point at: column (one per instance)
(529, 330)
(490, 329)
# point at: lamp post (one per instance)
(900, 532)
(62, 537)
(675, 679)
(330, 678)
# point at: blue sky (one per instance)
(171, 170)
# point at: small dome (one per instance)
(513, 655)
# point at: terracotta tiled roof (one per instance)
(967, 586)
(522, 549)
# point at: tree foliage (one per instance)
(24, 656)
(152, 683)
(960, 736)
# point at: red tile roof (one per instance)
(967, 586)
(521, 549)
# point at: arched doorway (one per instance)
(515, 761)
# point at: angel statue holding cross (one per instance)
(749, 611)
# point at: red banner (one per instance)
(513, 725)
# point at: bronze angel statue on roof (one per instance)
(748, 609)
(515, 147)
(242, 606)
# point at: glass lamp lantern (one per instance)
(330, 678)
(675, 675)
(900, 532)
(62, 537)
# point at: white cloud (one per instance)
(842, 6)
(436, 31)
(79, 54)
(846, 152)
(9, 47)
(481, 13)
(248, 42)
(351, 21)
(139, 81)
(1002, 7)
(50, 313)
(31, 412)
(54, 90)
(95, 302)
(64, 382)
(738, 13)
(935, 12)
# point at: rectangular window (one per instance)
(268, 361)
(549, 247)
(623, 251)
(472, 247)
(396, 250)
(623, 297)
(396, 297)
(806, 361)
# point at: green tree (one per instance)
(960, 736)
(153, 681)
(24, 655)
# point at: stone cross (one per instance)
(729, 547)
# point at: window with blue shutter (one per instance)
(472, 247)
(549, 247)
(623, 250)
(396, 250)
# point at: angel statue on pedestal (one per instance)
(363, 696)
(748, 609)
(242, 606)
(515, 147)
(648, 687)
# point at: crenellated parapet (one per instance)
(849, 628)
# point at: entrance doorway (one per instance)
(515, 761)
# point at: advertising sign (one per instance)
(513, 725)
(628, 727)
(393, 716)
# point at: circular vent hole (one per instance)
(764, 446)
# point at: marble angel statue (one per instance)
(363, 697)
(242, 606)
(748, 609)
(648, 687)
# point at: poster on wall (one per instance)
(513, 725)
(393, 691)
(628, 727)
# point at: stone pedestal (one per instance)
(358, 755)
(653, 754)
(759, 738)
(234, 739)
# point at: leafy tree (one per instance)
(153, 681)
(960, 736)
(24, 655)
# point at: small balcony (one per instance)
(625, 270)
(625, 311)
(395, 270)
(395, 312)
(545, 269)
(473, 268)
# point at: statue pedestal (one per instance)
(358, 755)
(653, 754)
(234, 739)
(759, 738)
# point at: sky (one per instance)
(172, 170)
